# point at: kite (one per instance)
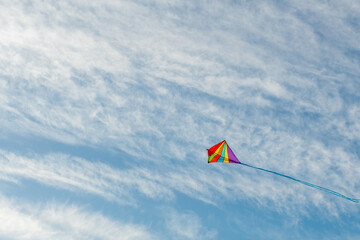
(221, 152)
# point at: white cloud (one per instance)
(75, 174)
(352, 126)
(165, 83)
(187, 225)
(214, 184)
(59, 221)
(63, 62)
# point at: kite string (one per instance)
(305, 183)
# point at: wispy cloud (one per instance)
(175, 79)
(75, 174)
(213, 185)
(60, 221)
(109, 83)
(187, 225)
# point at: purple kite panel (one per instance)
(232, 157)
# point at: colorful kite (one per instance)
(221, 152)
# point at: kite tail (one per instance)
(305, 183)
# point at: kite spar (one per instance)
(221, 152)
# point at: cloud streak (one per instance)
(212, 185)
(161, 87)
(187, 225)
(58, 221)
(72, 173)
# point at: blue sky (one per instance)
(107, 109)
